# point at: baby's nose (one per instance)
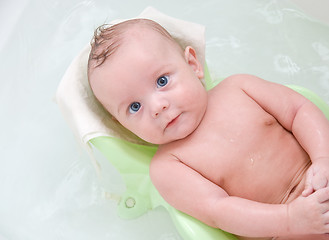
(159, 106)
(158, 112)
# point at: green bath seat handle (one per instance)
(132, 161)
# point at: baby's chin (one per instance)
(169, 139)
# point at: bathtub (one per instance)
(48, 186)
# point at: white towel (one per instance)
(84, 113)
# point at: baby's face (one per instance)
(151, 88)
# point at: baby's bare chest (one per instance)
(243, 149)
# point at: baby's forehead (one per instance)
(145, 33)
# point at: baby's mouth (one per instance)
(173, 121)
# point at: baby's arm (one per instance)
(190, 192)
(298, 115)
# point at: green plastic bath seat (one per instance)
(132, 161)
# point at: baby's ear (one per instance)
(191, 59)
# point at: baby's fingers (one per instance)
(319, 181)
(308, 183)
(323, 195)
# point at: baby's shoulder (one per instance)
(229, 87)
(237, 81)
(169, 154)
(163, 162)
(235, 85)
(167, 151)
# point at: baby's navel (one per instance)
(269, 121)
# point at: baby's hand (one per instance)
(309, 215)
(317, 177)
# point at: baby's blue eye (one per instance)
(134, 107)
(162, 81)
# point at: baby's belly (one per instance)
(270, 169)
(270, 176)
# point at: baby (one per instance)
(249, 156)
